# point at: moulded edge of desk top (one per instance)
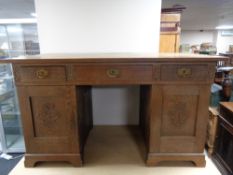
(115, 57)
(227, 105)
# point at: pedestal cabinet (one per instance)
(177, 123)
(50, 118)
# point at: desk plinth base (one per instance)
(154, 158)
(32, 159)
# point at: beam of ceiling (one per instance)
(203, 14)
(199, 15)
(16, 9)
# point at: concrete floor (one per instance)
(114, 150)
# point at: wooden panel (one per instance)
(85, 122)
(184, 72)
(49, 116)
(223, 150)
(40, 73)
(178, 144)
(49, 119)
(178, 119)
(101, 74)
(110, 58)
(168, 43)
(155, 118)
(177, 46)
(197, 159)
(211, 129)
(180, 111)
(144, 122)
(170, 33)
(174, 17)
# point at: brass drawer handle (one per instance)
(184, 72)
(113, 73)
(42, 73)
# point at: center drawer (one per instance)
(114, 74)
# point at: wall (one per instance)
(223, 42)
(66, 26)
(195, 37)
(98, 25)
(119, 106)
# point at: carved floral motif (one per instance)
(48, 114)
(177, 111)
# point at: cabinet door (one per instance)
(178, 118)
(169, 43)
(49, 119)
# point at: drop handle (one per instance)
(113, 73)
(184, 72)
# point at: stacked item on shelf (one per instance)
(195, 48)
(230, 48)
(204, 48)
(208, 48)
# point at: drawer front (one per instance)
(106, 74)
(184, 72)
(40, 74)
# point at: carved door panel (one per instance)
(178, 119)
(49, 119)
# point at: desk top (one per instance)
(227, 105)
(226, 112)
(227, 54)
(114, 57)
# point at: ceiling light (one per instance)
(33, 14)
(224, 27)
(18, 21)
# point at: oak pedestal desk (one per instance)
(55, 101)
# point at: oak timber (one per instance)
(55, 100)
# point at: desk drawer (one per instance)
(184, 72)
(105, 74)
(40, 73)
